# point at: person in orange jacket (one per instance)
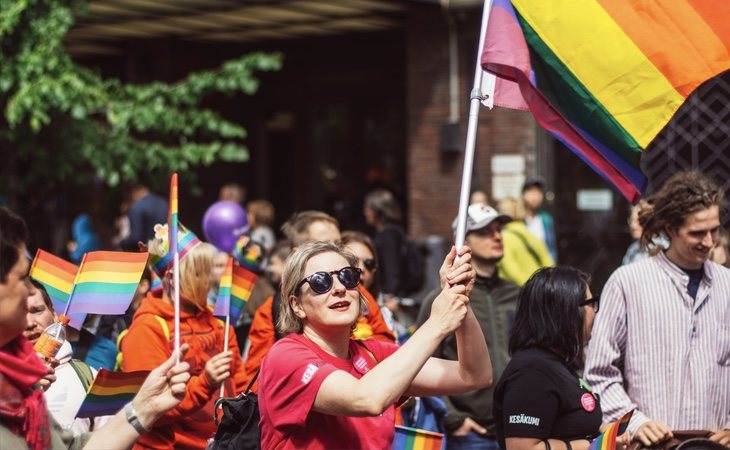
(303, 227)
(150, 341)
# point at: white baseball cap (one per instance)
(479, 215)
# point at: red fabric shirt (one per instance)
(291, 374)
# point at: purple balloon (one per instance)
(223, 223)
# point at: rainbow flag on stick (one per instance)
(605, 76)
(407, 438)
(234, 291)
(110, 391)
(172, 219)
(57, 276)
(607, 439)
(107, 282)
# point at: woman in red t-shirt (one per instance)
(320, 389)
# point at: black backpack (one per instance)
(239, 426)
(413, 266)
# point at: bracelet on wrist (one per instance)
(133, 419)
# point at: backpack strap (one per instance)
(120, 357)
(86, 376)
(163, 324)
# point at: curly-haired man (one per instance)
(661, 343)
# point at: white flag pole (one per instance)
(471, 134)
(176, 300)
(225, 344)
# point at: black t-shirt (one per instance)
(539, 397)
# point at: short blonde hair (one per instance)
(294, 268)
(195, 270)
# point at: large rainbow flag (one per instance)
(110, 391)
(607, 439)
(107, 282)
(57, 276)
(407, 438)
(234, 291)
(605, 76)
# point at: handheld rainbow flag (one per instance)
(607, 439)
(57, 276)
(407, 438)
(110, 391)
(223, 300)
(106, 282)
(605, 76)
(238, 291)
(172, 219)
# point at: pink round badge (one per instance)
(588, 402)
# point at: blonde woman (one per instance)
(150, 341)
(320, 389)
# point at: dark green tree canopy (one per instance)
(62, 122)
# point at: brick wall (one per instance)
(434, 179)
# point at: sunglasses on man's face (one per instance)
(322, 282)
(595, 301)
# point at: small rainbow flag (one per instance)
(172, 219)
(107, 282)
(607, 439)
(57, 276)
(110, 391)
(235, 289)
(223, 300)
(407, 438)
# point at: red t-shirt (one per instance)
(291, 374)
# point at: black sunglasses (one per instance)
(595, 301)
(322, 282)
(369, 264)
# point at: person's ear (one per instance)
(297, 307)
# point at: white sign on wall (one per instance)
(508, 175)
(594, 200)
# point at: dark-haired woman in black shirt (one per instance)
(540, 402)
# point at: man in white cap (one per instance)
(469, 422)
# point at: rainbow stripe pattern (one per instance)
(223, 300)
(605, 76)
(107, 282)
(407, 438)
(186, 241)
(248, 253)
(155, 283)
(607, 439)
(57, 276)
(110, 391)
(172, 219)
(241, 285)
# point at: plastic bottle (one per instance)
(52, 338)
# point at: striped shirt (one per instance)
(656, 349)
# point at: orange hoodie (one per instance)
(146, 345)
(261, 335)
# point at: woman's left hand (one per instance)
(459, 271)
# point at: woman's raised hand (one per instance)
(449, 308)
(459, 271)
(218, 368)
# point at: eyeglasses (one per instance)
(595, 301)
(369, 264)
(322, 282)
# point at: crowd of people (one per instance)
(524, 354)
